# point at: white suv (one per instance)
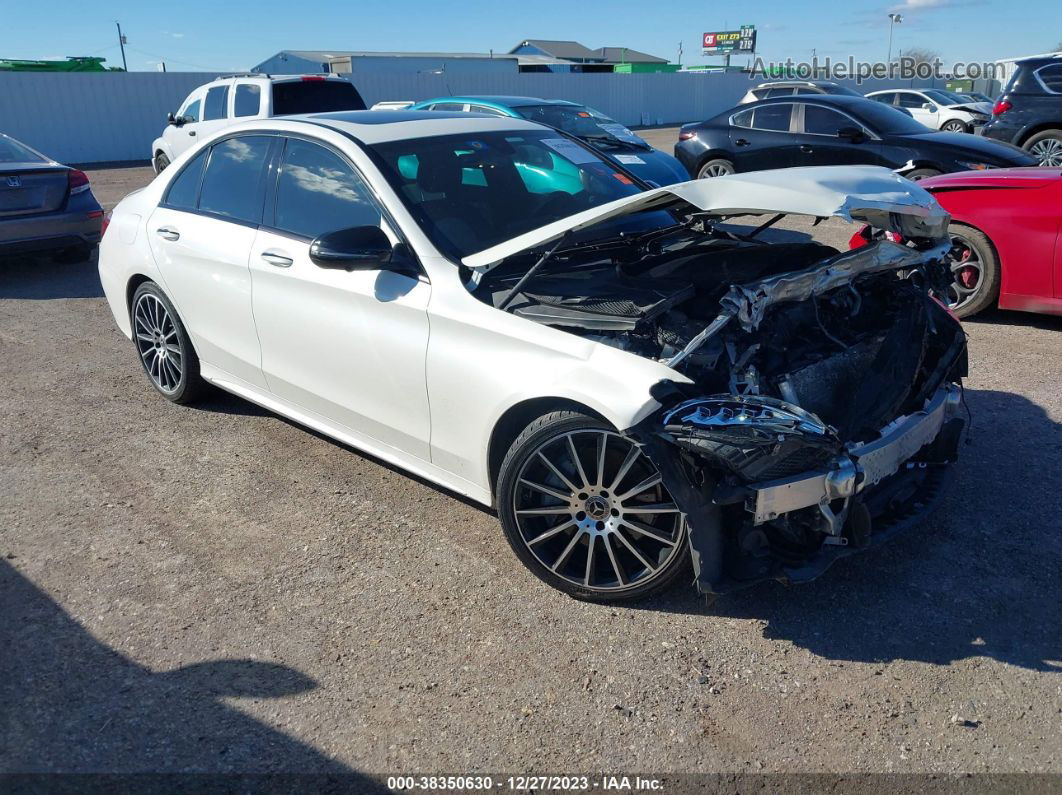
(236, 98)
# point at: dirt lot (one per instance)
(216, 589)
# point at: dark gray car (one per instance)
(44, 205)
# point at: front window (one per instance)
(191, 113)
(824, 121)
(944, 97)
(887, 120)
(469, 192)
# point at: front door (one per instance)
(349, 347)
(818, 143)
(921, 107)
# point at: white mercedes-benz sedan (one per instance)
(643, 391)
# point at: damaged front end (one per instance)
(816, 402)
(841, 414)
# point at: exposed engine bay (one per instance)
(825, 393)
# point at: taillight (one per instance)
(105, 223)
(685, 136)
(77, 181)
(860, 238)
(1001, 107)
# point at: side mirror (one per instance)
(853, 134)
(929, 106)
(171, 118)
(361, 248)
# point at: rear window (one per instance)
(315, 96)
(1051, 77)
(11, 151)
(773, 117)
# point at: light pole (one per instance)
(894, 19)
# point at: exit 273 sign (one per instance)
(743, 40)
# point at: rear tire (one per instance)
(922, 173)
(161, 162)
(575, 509)
(163, 346)
(1046, 147)
(719, 167)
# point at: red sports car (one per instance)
(1007, 233)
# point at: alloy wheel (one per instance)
(158, 343)
(967, 271)
(590, 507)
(1048, 151)
(714, 170)
(954, 126)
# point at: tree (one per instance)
(919, 55)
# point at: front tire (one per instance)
(719, 167)
(584, 509)
(163, 346)
(955, 126)
(1046, 147)
(975, 271)
(922, 173)
(161, 163)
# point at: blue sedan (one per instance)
(609, 137)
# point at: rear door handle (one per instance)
(806, 149)
(741, 142)
(279, 260)
(168, 233)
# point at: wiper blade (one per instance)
(613, 141)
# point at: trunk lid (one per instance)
(29, 188)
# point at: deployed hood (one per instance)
(867, 194)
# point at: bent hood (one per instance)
(867, 194)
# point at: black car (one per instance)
(1029, 113)
(832, 130)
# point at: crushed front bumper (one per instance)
(861, 466)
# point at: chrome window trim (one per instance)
(1040, 80)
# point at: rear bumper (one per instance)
(51, 231)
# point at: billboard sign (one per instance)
(730, 41)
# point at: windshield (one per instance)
(314, 96)
(470, 192)
(11, 151)
(887, 120)
(944, 97)
(578, 120)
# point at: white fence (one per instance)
(114, 116)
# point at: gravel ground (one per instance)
(216, 589)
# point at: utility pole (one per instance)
(894, 19)
(121, 43)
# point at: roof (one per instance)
(1046, 55)
(627, 55)
(560, 48)
(324, 56)
(381, 126)
(501, 102)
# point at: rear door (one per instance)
(761, 137)
(201, 236)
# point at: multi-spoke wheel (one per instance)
(954, 125)
(974, 269)
(716, 168)
(586, 510)
(1046, 147)
(165, 350)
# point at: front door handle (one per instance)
(742, 142)
(168, 233)
(806, 149)
(191, 132)
(278, 260)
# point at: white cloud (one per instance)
(177, 35)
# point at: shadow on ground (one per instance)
(42, 278)
(979, 579)
(69, 703)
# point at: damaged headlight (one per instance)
(754, 437)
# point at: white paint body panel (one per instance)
(415, 371)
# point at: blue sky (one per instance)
(193, 35)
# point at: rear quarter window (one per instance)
(315, 96)
(1051, 77)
